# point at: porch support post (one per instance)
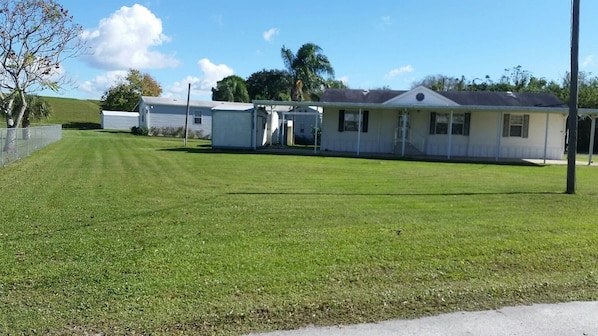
(358, 131)
(282, 131)
(254, 128)
(147, 117)
(316, 134)
(592, 134)
(403, 132)
(546, 136)
(450, 136)
(498, 134)
(271, 125)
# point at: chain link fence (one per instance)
(17, 143)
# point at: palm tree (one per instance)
(307, 69)
(232, 89)
(37, 109)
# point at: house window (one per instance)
(197, 117)
(515, 125)
(348, 121)
(439, 123)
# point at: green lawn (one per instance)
(116, 234)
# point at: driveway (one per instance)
(573, 318)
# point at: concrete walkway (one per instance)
(573, 318)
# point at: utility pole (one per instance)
(573, 101)
(187, 116)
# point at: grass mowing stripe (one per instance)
(118, 234)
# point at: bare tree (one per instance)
(36, 36)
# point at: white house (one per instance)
(422, 122)
(119, 120)
(159, 114)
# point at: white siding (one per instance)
(174, 116)
(378, 139)
(231, 129)
(483, 141)
(119, 120)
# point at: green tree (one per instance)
(232, 89)
(269, 85)
(441, 83)
(125, 95)
(307, 69)
(37, 109)
(36, 36)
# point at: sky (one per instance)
(370, 44)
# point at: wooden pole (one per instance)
(187, 116)
(572, 146)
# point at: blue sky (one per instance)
(370, 44)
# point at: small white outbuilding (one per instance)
(235, 126)
(119, 120)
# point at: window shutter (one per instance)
(364, 121)
(525, 131)
(341, 120)
(432, 122)
(505, 124)
(466, 124)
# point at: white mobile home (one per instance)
(159, 113)
(422, 122)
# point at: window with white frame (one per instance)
(439, 123)
(515, 125)
(348, 121)
(197, 117)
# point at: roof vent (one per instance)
(365, 92)
(511, 94)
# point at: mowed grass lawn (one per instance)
(118, 235)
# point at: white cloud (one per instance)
(97, 86)
(386, 20)
(218, 19)
(179, 89)
(270, 33)
(212, 73)
(126, 40)
(383, 22)
(588, 61)
(399, 71)
(201, 86)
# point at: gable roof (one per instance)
(359, 96)
(471, 98)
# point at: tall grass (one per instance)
(110, 233)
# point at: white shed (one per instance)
(232, 127)
(119, 120)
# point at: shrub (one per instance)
(139, 130)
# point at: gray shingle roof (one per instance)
(503, 98)
(359, 96)
(482, 98)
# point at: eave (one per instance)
(438, 108)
